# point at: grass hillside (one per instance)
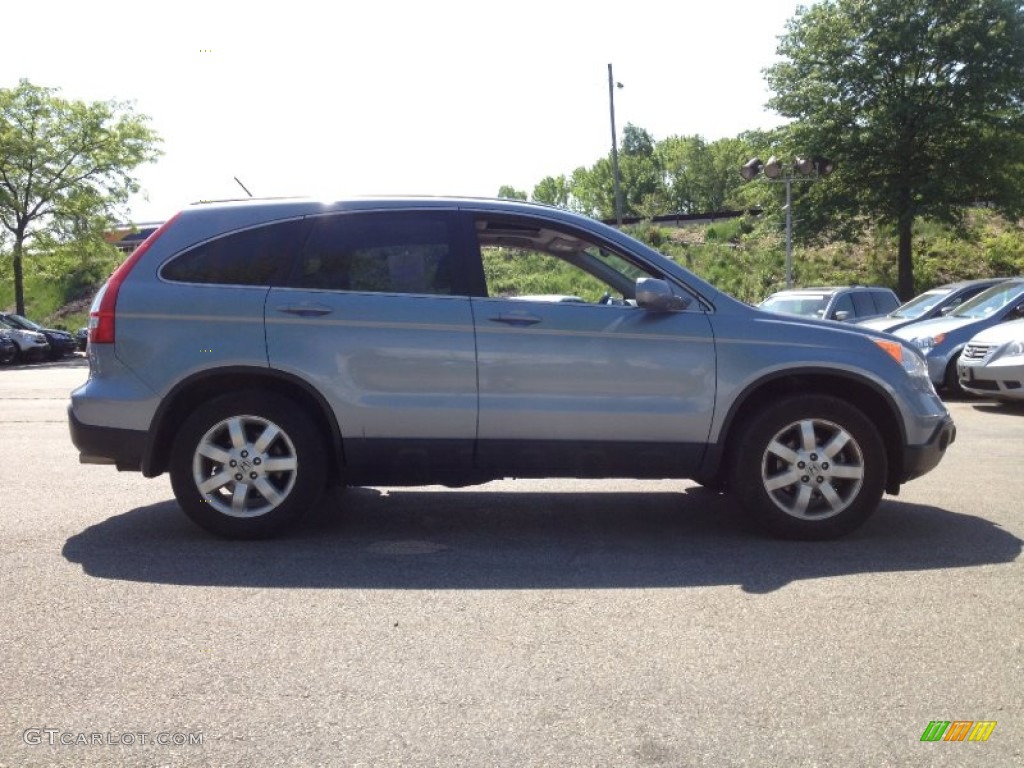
(744, 257)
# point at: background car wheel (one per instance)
(810, 467)
(247, 465)
(951, 381)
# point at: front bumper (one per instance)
(921, 459)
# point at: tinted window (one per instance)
(863, 304)
(885, 302)
(258, 256)
(378, 253)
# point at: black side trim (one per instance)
(594, 459)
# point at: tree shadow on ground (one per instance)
(439, 539)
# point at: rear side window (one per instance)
(258, 256)
(408, 252)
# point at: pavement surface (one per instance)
(540, 623)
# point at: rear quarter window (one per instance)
(258, 256)
(886, 302)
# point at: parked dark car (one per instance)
(936, 302)
(61, 342)
(82, 339)
(8, 349)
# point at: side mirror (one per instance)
(842, 315)
(657, 296)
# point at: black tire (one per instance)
(795, 483)
(951, 381)
(249, 499)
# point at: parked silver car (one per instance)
(845, 303)
(992, 363)
(32, 346)
(258, 350)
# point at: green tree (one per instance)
(553, 190)
(64, 163)
(511, 193)
(920, 102)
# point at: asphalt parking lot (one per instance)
(540, 623)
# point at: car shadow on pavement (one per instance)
(76, 360)
(437, 539)
(1000, 409)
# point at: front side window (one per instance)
(409, 252)
(843, 304)
(257, 256)
(532, 261)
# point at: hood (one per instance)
(935, 326)
(884, 323)
(1001, 334)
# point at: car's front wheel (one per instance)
(247, 465)
(810, 467)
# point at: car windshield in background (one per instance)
(992, 300)
(921, 305)
(806, 305)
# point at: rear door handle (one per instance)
(307, 310)
(517, 319)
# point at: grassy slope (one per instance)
(743, 257)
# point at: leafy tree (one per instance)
(553, 190)
(64, 165)
(920, 102)
(637, 141)
(511, 193)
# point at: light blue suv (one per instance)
(259, 350)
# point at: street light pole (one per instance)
(810, 168)
(615, 146)
(789, 231)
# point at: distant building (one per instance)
(129, 238)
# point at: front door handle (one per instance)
(517, 319)
(307, 310)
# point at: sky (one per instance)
(335, 99)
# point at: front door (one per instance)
(584, 382)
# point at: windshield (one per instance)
(804, 304)
(992, 300)
(922, 304)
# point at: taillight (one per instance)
(101, 313)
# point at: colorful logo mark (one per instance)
(958, 730)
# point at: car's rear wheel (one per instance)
(247, 465)
(810, 467)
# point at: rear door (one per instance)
(373, 316)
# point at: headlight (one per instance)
(1014, 349)
(911, 361)
(927, 343)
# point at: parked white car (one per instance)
(992, 363)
